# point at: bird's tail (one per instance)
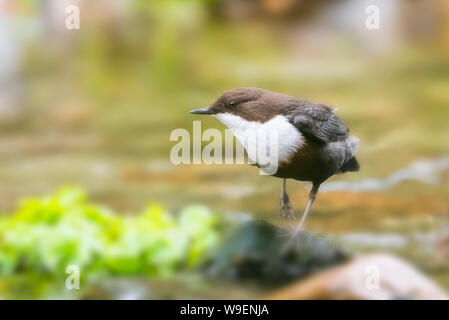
(350, 165)
(352, 144)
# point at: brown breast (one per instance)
(309, 163)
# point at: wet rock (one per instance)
(256, 251)
(369, 277)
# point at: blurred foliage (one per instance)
(47, 234)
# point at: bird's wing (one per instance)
(317, 121)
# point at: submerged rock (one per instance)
(256, 251)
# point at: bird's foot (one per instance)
(294, 238)
(286, 211)
(297, 233)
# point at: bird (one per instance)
(313, 143)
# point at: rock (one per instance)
(255, 251)
(369, 277)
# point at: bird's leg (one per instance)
(312, 196)
(286, 210)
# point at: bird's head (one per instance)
(243, 102)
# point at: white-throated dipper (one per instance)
(313, 143)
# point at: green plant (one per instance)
(47, 234)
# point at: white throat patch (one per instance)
(289, 138)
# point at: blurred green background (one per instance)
(95, 107)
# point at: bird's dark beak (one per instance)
(206, 110)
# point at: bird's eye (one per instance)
(232, 103)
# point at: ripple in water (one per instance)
(426, 171)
